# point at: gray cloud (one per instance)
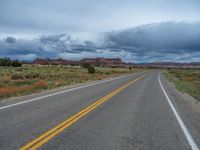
(48, 16)
(65, 43)
(21, 21)
(168, 37)
(10, 39)
(55, 38)
(44, 46)
(168, 41)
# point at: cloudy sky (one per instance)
(136, 31)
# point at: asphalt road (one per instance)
(130, 112)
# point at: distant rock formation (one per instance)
(114, 62)
(110, 62)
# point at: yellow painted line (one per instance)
(38, 142)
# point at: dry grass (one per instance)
(9, 91)
(29, 79)
(185, 80)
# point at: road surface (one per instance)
(138, 111)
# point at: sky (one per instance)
(133, 30)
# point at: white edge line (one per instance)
(49, 95)
(186, 132)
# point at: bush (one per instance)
(5, 62)
(32, 75)
(40, 84)
(86, 65)
(91, 70)
(17, 77)
(16, 63)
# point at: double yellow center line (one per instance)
(38, 142)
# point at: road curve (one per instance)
(131, 112)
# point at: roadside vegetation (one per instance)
(16, 81)
(185, 80)
(8, 62)
(89, 68)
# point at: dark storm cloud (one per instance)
(10, 39)
(23, 20)
(44, 46)
(84, 46)
(169, 41)
(64, 43)
(54, 38)
(166, 37)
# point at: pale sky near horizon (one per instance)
(136, 31)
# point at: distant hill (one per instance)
(112, 62)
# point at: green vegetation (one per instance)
(16, 63)
(185, 80)
(8, 62)
(91, 70)
(29, 79)
(89, 67)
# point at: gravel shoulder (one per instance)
(187, 106)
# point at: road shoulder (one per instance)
(187, 106)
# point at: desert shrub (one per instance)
(7, 91)
(107, 73)
(16, 63)
(5, 61)
(4, 92)
(32, 75)
(86, 65)
(17, 77)
(40, 84)
(6, 78)
(28, 76)
(91, 70)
